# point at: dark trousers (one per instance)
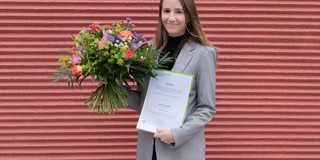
(154, 155)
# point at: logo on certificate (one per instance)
(155, 73)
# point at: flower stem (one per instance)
(107, 98)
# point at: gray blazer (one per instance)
(189, 144)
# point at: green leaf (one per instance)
(63, 73)
(113, 104)
(104, 101)
(77, 78)
(92, 95)
(63, 50)
(69, 80)
(57, 79)
(99, 77)
(150, 74)
(140, 68)
(72, 37)
(97, 99)
(93, 77)
(84, 77)
(106, 65)
(98, 34)
(66, 71)
(128, 68)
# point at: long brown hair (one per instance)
(193, 29)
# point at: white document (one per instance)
(166, 102)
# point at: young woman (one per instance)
(179, 32)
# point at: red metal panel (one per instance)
(268, 86)
(268, 93)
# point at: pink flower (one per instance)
(103, 40)
(75, 58)
(109, 31)
(142, 58)
(103, 31)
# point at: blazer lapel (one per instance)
(184, 57)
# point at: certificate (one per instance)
(166, 101)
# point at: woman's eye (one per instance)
(179, 12)
(166, 11)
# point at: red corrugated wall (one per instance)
(268, 82)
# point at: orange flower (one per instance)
(126, 34)
(76, 69)
(129, 53)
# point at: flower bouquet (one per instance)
(112, 54)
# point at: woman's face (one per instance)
(173, 18)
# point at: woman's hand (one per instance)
(165, 136)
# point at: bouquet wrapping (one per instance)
(113, 55)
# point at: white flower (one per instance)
(142, 58)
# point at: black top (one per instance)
(171, 47)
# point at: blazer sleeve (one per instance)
(136, 97)
(205, 81)
(133, 98)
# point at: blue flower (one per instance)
(111, 38)
(143, 39)
(88, 31)
(120, 37)
(128, 19)
(135, 46)
(134, 40)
